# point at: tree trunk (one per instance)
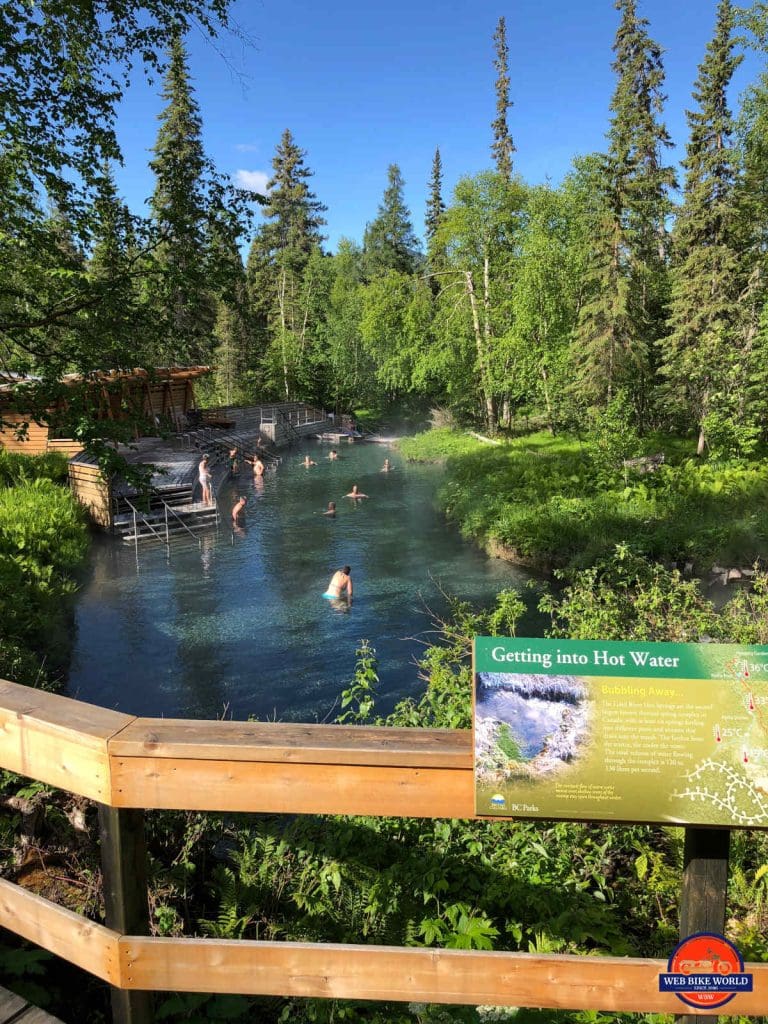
(702, 442)
(283, 332)
(490, 411)
(548, 401)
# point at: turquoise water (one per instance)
(239, 628)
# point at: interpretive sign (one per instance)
(630, 731)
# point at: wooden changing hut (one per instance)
(161, 397)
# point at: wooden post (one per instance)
(705, 886)
(124, 868)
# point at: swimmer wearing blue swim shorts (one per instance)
(341, 582)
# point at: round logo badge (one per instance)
(706, 971)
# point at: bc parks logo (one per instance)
(705, 971)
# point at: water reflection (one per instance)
(240, 622)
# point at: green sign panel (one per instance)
(607, 731)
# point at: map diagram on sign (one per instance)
(735, 779)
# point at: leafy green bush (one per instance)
(43, 538)
(18, 469)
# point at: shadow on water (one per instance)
(239, 627)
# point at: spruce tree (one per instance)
(389, 242)
(436, 256)
(233, 334)
(435, 204)
(625, 312)
(702, 357)
(278, 259)
(180, 275)
(117, 317)
(502, 146)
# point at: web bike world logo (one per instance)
(705, 971)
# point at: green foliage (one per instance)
(359, 698)
(612, 438)
(703, 354)
(389, 242)
(502, 147)
(43, 539)
(18, 469)
(729, 435)
(199, 1008)
(23, 970)
(553, 502)
(435, 445)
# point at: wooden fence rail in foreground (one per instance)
(126, 762)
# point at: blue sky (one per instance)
(363, 85)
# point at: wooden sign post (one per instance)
(705, 886)
(124, 869)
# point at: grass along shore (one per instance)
(557, 502)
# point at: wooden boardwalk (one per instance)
(15, 1010)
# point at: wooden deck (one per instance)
(15, 1010)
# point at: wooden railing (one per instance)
(126, 762)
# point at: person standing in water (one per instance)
(234, 467)
(333, 454)
(238, 508)
(204, 475)
(354, 493)
(341, 583)
(386, 467)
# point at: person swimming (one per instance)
(386, 467)
(341, 582)
(331, 510)
(333, 454)
(308, 462)
(354, 493)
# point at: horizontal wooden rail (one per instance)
(74, 938)
(407, 975)
(123, 761)
(330, 970)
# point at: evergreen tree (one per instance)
(752, 198)
(435, 210)
(277, 261)
(435, 204)
(116, 319)
(180, 275)
(624, 315)
(389, 242)
(702, 357)
(502, 147)
(234, 354)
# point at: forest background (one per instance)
(631, 282)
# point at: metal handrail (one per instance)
(292, 431)
(152, 530)
(168, 508)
